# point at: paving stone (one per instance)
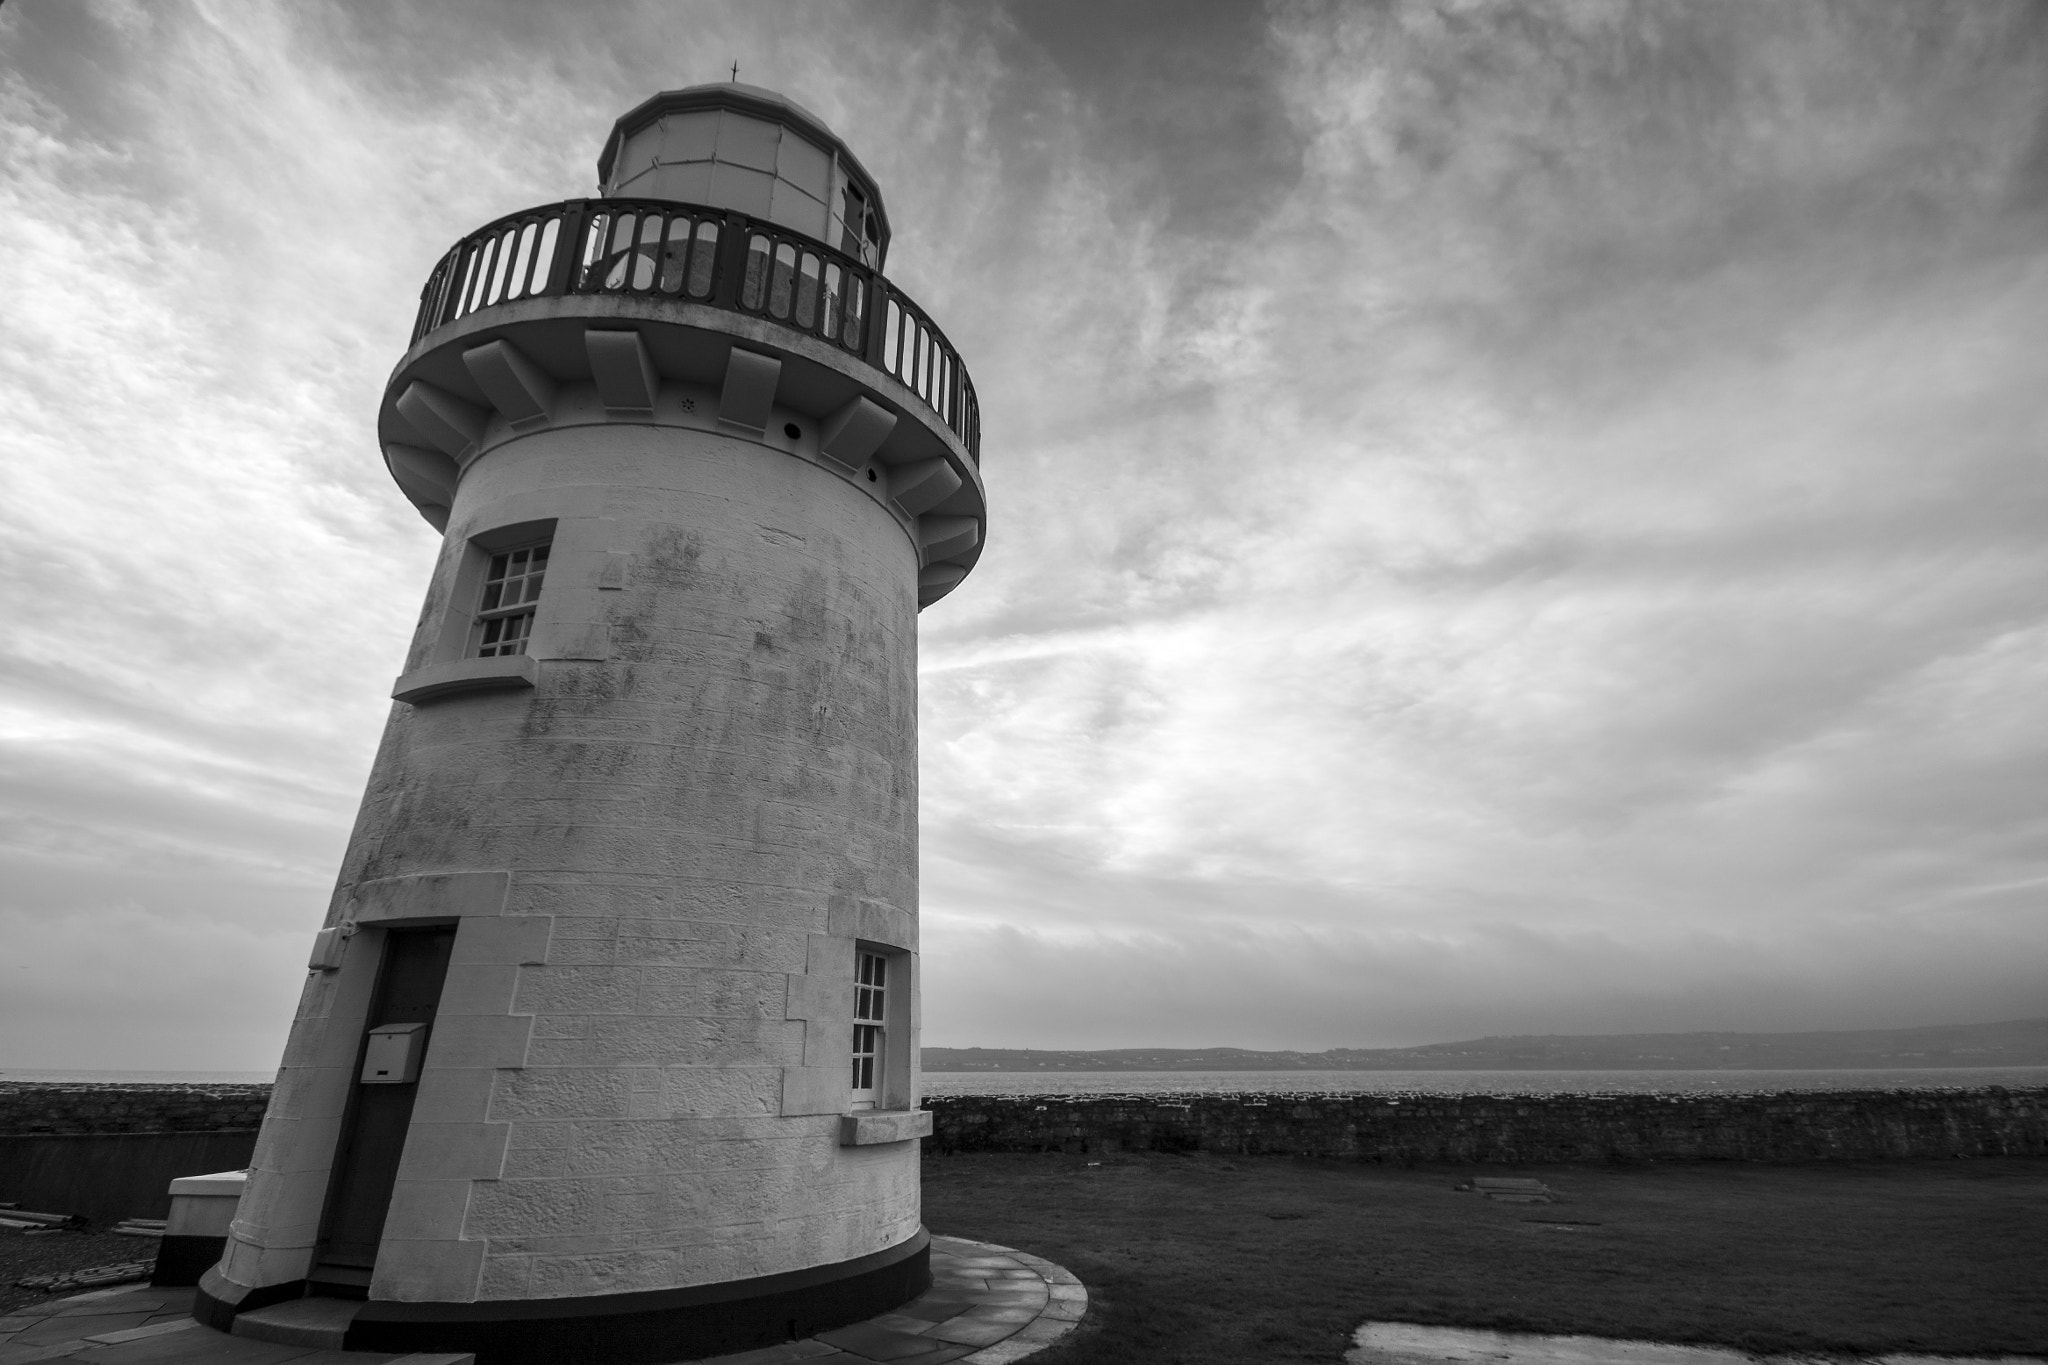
(1003, 1352)
(1401, 1343)
(784, 1354)
(101, 1296)
(989, 1307)
(202, 1346)
(26, 1355)
(901, 1322)
(936, 1357)
(75, 1326)
(971, 1330)
(127, 1301)
(142, 1333)
(996, 1312)
(937, 1307)
(876, 1343)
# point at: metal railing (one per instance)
(727, 260)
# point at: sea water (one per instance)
(1302, 1082)
(1474, 1082)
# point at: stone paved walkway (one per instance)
(1403, 1343)
(138, 1325)
(988, 1305)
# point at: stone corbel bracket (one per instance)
(520, 368)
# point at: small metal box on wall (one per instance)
(391, 1054)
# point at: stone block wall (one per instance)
(1787, 1127)
(662, 858)
(32, 1107)
(108, 1152)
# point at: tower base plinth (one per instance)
(659, 1325)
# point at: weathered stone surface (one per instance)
(673, 828)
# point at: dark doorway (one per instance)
(373, 1134)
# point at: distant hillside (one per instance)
(2022, 1042)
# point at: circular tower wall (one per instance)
(608, 1047)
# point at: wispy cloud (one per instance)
(1503, 518)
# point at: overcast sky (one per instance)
(1502, 518)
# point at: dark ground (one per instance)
(50, 1252)
(1203, 1260)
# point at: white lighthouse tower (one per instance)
(609, 1049)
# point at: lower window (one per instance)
(870, 1027)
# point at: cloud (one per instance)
(1502, 518)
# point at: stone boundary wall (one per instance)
(29, 1107)
(1798, 1126)
(1844, 1125)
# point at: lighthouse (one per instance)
(608, 1043)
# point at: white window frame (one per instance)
(871, 989)
(505, 627)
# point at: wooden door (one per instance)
(373, 1133)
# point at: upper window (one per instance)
(504, 620)
(871, 982)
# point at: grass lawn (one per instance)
(1203, 1259)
